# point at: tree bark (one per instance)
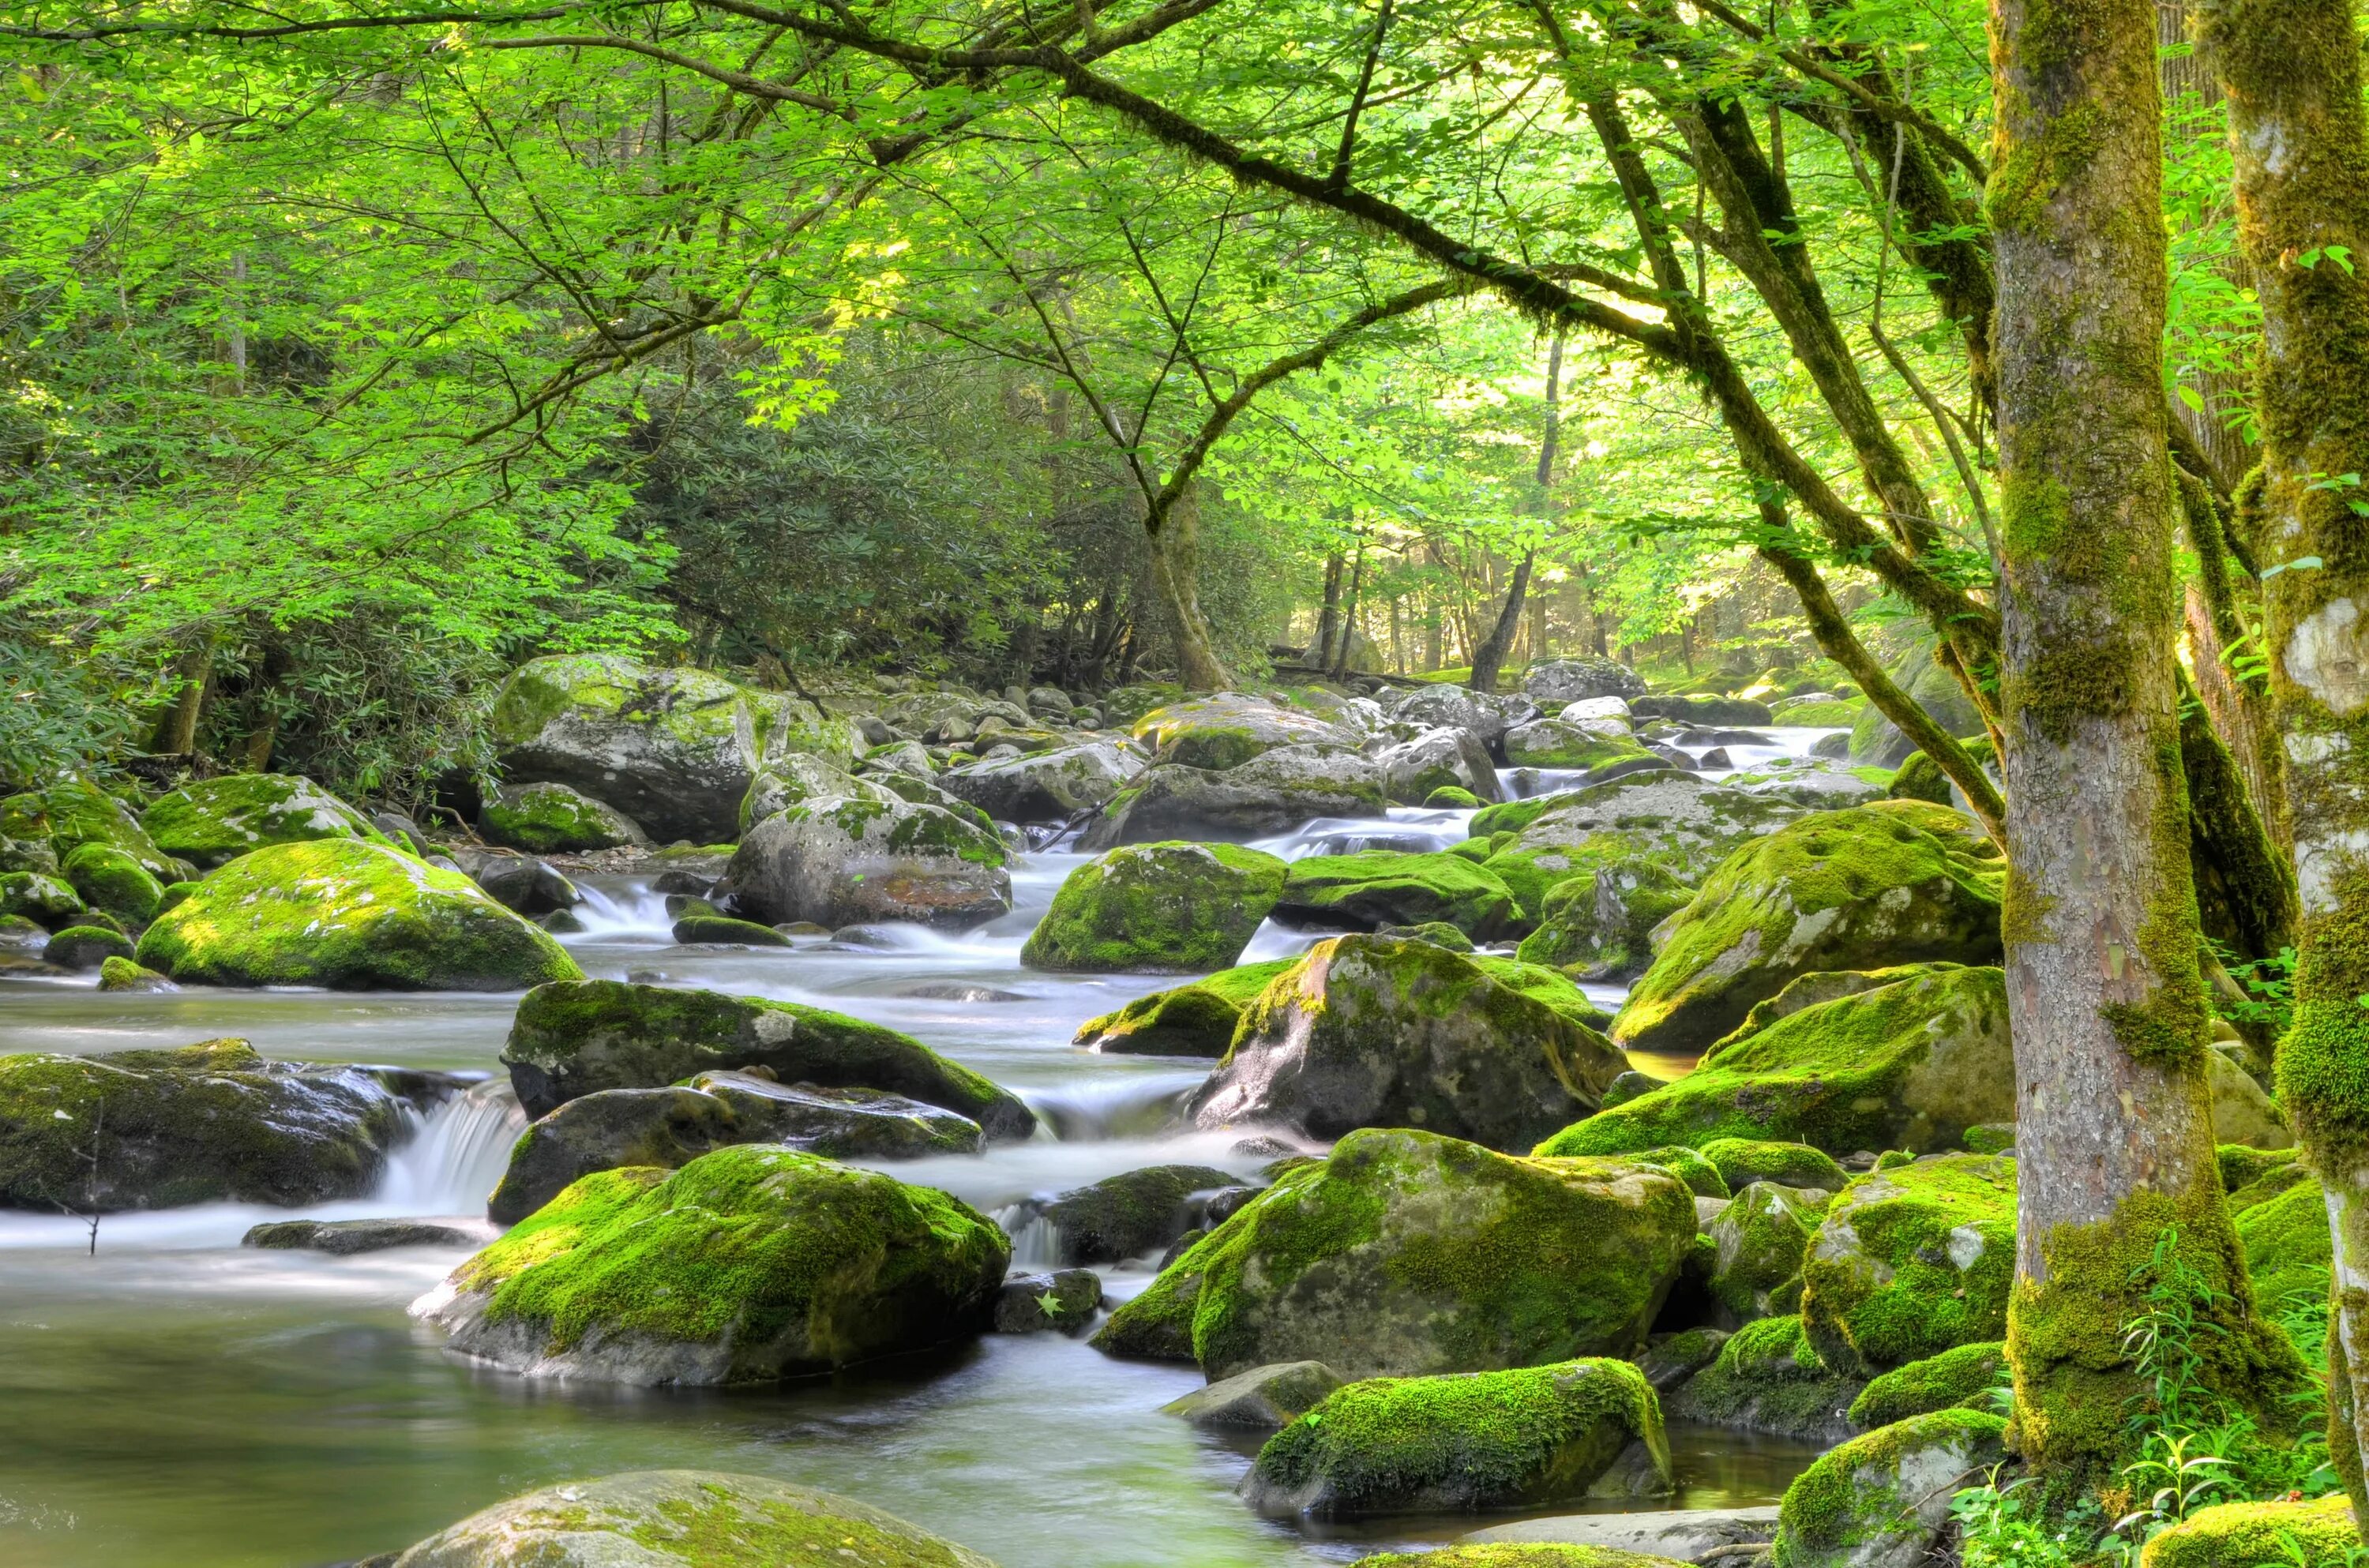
(1173, 536)
(2105, 996)
(1328, 622)
(2291, 70)
(1491, 654)
(177, 736)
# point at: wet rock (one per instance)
(723, 929)
(346, 1238)
(1049, 786)
(526, 885)
(1274, 793)
(1264, 1399)
(48, 901)
(86, 947)
(1673, 1359)
(1555, 681)
(119, 974)
(111, 880)
(1383, 888)
(1684, 1535)
(1555, 743)
(551, 818)
(1221, 732)
(1198, 1020)
(842, 862)
(1602, 924)
(1438, 759)
(1180, 908)
(1127, 1215)
(1881, 1501)
(1702, 712)
(1063, 1302)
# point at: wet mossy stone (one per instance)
(1451, 797)
(1197, 1020)
(1439, 933)
(577, 1038)
(1673, 819)
(1555, 743)
(839, 861)
(673, 1126)
(1672, 1358)
(1438, 759)
(554, 818)
(1711, 712)
(1911, 1262)
(1367, 1030)
(1742, 1161)
(74, 812)
(750, 1263)
(1760, 1237)
(27, 854)
(1403, 1252)
(2288, 1251)
(1523, 1437)
(1156, 909)
(120, 974)
(1382, 887)
(1264, 1399)
(789, 780)
(1125, 1216)
(214, 821)
(1964, 1378)
(1046, 786)
(1891, 882)
(1880, 1501)
(1909, 1064)
(352, 916)
(689, 1518)
(209, 1123)
(1519, 1554)
(1551, 987)
(349, 1237)
(1599, 923)
(48, 900)
(109, 878)
(1274, 793)
(1768, 1378)
(698, 928)
(1224, 731)
(2258, 1535)
(83, 947)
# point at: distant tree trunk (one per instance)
(1174, 540)
(2291, 70)
(1328, 622)
(1339, 667)
(2106, 1002)
(1491, 651)
(177, 736)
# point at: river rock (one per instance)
(214, 821)
(2227, 1534)
(1893, 882)
(1965, 1378)
(672, 748)
(352, 916)
(1064, 1301)
(787, 781)
(1557, 743)
(674, 1126)
(73, 812)
(1274, 793)
(1766, 1378)
(2288, 1249)
(1197, 1020)
(1486, 716)
(1910, 1262)
(1525, 1438)
(553, 819)
(1384, 887)
(577, 1038)
(1600, 924)
(1700, 710)
(119, 974)
(846, 862)
(48, 901)
(209, 1123)
(1666, 816)
(1224, 731)
(1684, 1535)
(1403, 1252)
(1127, 1215)
(684, 1519)
(520, 883)
(1438, 759)
(349, 1237)
(750, 1263)
(1881, 1501)
(1555, 681)
(113, 880)
(1163, 908)
(1047, 786)
(1264, 1399)
(1760, 1237)
(81, 948)
(1369, 1031)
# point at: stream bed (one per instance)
(175, 1400)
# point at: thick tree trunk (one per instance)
(1328, 622)
(2291, 70)
(2105, 996)
(177, 735)
(1491, 654)
(1175, 539)
(1339, 668)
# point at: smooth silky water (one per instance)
(178, 1402)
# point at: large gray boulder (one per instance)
(1372, 1031)
(1274, 793)
(1881, 1501)
(1217, 733)
(1555, 681)
(1438, 759)
(840, 861)
(1875, 739)
(1488, 716)
(1047, 786)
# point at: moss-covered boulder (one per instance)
(1557, 743)
(1524, 1437)
(1766, 1378)
(1909, 1064)
(696, 930)
(672, 748)
(1599, 923)
(1760, 1238)
(1382, 887)
(119, 974)
(787, 781)
(1224, 731)
(1127, 1215)
(1964, 1378)
(554, 818)
(1404, 1252)
(684, 1519)
(2288, 1250)
(46, 900)
(1912, 1261)
(111, 879)
(2258, 1535)
(841, 860)
(1880, 1501)
(1438, 759)
(208, 1123)
(1549, 987)
(747, 1264)
(1670, 818)
(82, 947)
(674, 1126)
(352, 916)
(1555, 681)
(1274, 793)
(1046, 786)
(1367, 1031)
(577, 1038)
(214, 821)
(1160, 908)
(1198, 1020)
(1519, 1554)
(1743, 1160)
(1264, 1399)
(76, 812)
(1893, 881)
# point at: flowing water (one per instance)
(178, 1402)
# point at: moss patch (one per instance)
(1382, 887)
(216, 820)
(1197, 1020)
(1964, 1378)
(1161, 908)
(1912, 1262)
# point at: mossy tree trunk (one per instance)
(1172, 532)
(2104, 992)
(2291, 70)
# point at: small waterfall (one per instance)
(626, 912)
(1411, 829)
(1035, 1240)
(457, 1155)
(1271, 941)
(1136, 1105)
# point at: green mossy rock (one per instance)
(2258, 1535)
(75, 813)
(209, 1123)
(1382, 887)
(46, 900)
(578, 1037)
(2288, 1251)
(1893, 881)
(1197, 1020)
(1670, 818)
(1553, 743)
(2243, 1166)
(1911, 1262)
(1742, 1161)
(1405, 1253)
(1519, 1554)
(1125, 1216)
(80, 947)
(747, 1264)
(1761, 1237)
(1910, 1064)
(1451, 797)
(1227, 730)
(553, 819)
(1960, 1379)
(1524, 1437)
(1702, 1177)
(1768, 1378)
(122, 974)
(722, 930)
(689, 1518)
(352, 916)
(1157, 909)
(1439, 933)
(1875, 739)
(1051, 785)
(839, 861)
(790, 780)
(1838, 713)
(108, 878)
(1365, 1031)
(1550, 987)
(215, 821)
(1264, 1399)
(1272, 793)
(1600, 925)
(1880, 1501)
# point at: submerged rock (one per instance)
(1157, 908)
(351, 915)
(349, 1237)
(684, 1519)
(839, 861)
(553, 819)
(1063, 1302)
(747, 1264)
(1880, 1501)
(214, 821)
(1264, 1399)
